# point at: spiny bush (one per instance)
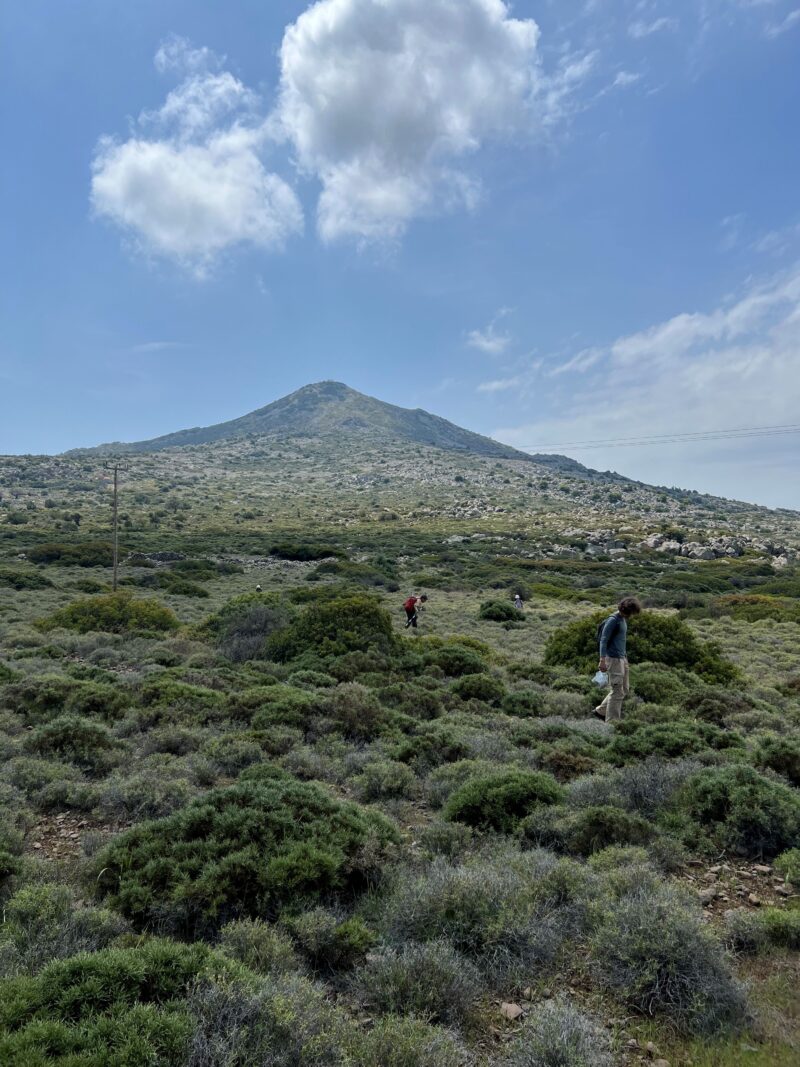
(40, 697)
(652, 638)
(752, 607)
(115, 613)
(557, 1034)
(260, 946)
(243, 626)
(84, 554)
(755, 931)
(483, 687)
(420, 701)
(445, 780)
(156, 789)
(278, 705)
(646, 788)
(304, 551)
(715, 705)
(743, 810)
(247, 850)
(347, 624)
(500, 801)
(658, 684)
(328, 942)
(382, 779)
(788, 864)
(430, 981)
(456, 659)
(89, 745)
(487, 906)
(122, 1003)
(49, 786)
(356, 711)
(524, 703)
(654, 952)
(98, 699)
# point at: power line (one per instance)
(672, 438)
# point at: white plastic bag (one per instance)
(600, 679)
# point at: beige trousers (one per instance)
(618, 680)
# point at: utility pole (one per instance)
(116, 467)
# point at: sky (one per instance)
(563, 223)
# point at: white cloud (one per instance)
(777, 29)
(625, 78)
(191, 182)
(640, 29)
(500, 385)
(737, 365)
(383, 100)
(491, 340)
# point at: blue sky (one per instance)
(554, 222)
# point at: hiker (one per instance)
(518, 602)
(614, 659)
(410, 607)
(258, 588)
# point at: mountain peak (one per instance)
(327, 408)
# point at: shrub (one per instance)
(587, 831)
(21, 580)
(482, 687)
(430, 981)
(556, 1034)
(397, 1042)
(751, 607)
(654, 952)
(646, 788)
(122, 1004)
(456, 660)
(743, 810)
(49, 786)
(524, 703)
(304, 552)
(115, 613)
(42, 924)
(356, 710)
(780, 754)
(383, 779)
(448, 839)
(499, 611)
(657, 684)
(346, 624)
(500, 801)
(89, 745)
(98, 699)
(328, 942)
(40, 697)
(283, 1021)
(279, 705)
(487, 907)
(243, 626)
(715, 705)
(248, 850)
(261, 947)
(754, 931)
(788, 864)
(85, 554)
(635, 740)
(652, 638)
(155, 790)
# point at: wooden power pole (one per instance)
(116, 468)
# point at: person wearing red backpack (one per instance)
(410, 608)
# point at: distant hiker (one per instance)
(614, 658)
(518, 602)
(258, 588)
(410, 608)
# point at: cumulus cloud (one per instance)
(382, 100)
(191, 182)
(736, 365)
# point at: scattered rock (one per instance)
(510, 1011)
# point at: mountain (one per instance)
(332, 408)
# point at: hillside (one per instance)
(326, 409)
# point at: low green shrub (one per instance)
(247, 850)
(115, 613)
(635, 740)
(347, 624)
(408, 1042)
(83, 554)
(780, 754)
(260, 946)
(48, 785)
(89, 745)
(40, 697)
(752, 607)
(586, 831)
(743, 810)
(152, 791)
(499, 611)
(120, 1006)
(483, 687)
(328, 942)
(384, 779)
(714, 705)
(756, 931)
(279, 705)
(19, 580)
(525, 703)
(357, 711)
(652, 638)
(500, 801)
(456, 660)
(788, 864)
(430, 981)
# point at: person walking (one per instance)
(410, 608)
(614, 658)
(518, 602)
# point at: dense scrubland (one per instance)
(246, 828)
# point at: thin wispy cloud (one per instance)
(778, 29)
(147, 347)
(492, 340)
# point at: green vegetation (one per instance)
(116, 613)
